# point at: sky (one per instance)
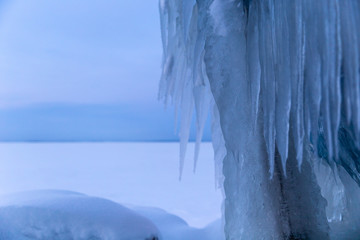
(79, 51)
(61, 62)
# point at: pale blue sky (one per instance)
(81, 70)
(79, 51)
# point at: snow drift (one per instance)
(282, 78)
(174, 228)
(66, 215)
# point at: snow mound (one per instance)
(174, 228)
(63, 215)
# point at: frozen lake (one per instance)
(144, 174)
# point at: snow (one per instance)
(141, 174)
(174, 228)
(283, 79)
(141, 194)
(69, 215)
(63, 215)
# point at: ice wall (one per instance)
(284, 80)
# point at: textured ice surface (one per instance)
(284, 80)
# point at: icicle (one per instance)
(202, 103)
(336, 88)
(297, 80)
(183, 78)
(266, 29)
(282, 74)
(350, 59)
(356, 84)
(186, 15)
(187, 106)
(218, 145)
(312, 85)
(253, 61)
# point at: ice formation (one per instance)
(283, 80)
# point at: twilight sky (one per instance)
(83, 51)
